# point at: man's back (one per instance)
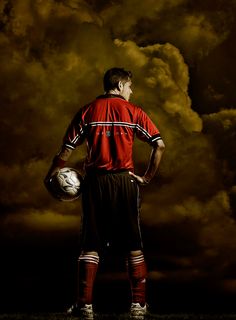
(109, 124)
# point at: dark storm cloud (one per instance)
(203, 31)
(221, 128)
(40, 78)
(216, 90)
(194, 27)
(52, 57)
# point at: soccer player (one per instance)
(110, 197)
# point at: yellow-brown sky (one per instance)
(52, 58)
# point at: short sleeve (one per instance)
(75, 132)
(146, 130)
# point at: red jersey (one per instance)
(109, 125)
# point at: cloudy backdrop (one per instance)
(53, 55)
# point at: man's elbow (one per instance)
(160, 145)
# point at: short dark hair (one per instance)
(113, 76)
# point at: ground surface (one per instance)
(61, 316)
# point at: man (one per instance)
(111, 188)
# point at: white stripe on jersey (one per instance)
(157, 138)
(69, 146)
(143, 131)
(112, 123)
(75, 139)
(122, 124)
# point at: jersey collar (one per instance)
(110, 95)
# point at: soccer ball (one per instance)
(66, 184)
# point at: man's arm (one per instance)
(154, 161)
(58, 162)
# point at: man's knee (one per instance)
(136, 253)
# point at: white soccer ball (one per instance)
(66, 184)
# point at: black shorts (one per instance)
(110, 204)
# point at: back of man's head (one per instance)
(113, 76)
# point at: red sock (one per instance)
(88, 265)
(137, 274)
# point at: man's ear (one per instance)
(120, 86)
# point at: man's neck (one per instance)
(114, 91)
